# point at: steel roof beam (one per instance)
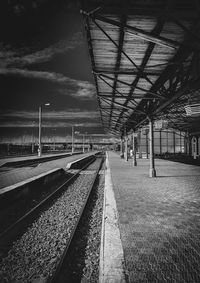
(118, 59)
(133, 102)
(133, 97)
(141, 33)
(192, 85)
(127, 72)
(88, 34)
(136, 87)
(147, 55)
(119, 104)
(124, 53)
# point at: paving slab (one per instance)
(9, 177)
(29, 157)
(159, 220)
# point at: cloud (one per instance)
(76, 88)
(51, 119)
(67, 114)
(46, 124)
(17, 59)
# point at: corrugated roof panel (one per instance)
(155, 48)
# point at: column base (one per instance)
(152, 173)
(134, 163)
(39, 153)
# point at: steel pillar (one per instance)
(147, 145)
(189, 145)
(139, 144)
(167, 141)
(194, 147)
(121, 149)
(152, 171)
(185, 145)
(174, 142)
(180, 142)
(134, 149)
(126, 148)
(160, 142)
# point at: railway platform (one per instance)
(151, 225)
(11, 176)
(29, 157)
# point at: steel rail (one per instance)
(56, 274)
(17, 228)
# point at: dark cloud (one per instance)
(44, 58)
(37, 23)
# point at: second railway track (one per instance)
(38, 254)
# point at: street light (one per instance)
(76, 133)
(40, 130)
(83, 143)
(72, 139)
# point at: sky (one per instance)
(44, 58)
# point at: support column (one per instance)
(139, 143)
(174, 142)
(167, 141)
(180, 142)
(194, 147)
(152, 171)
(134, 149)
(121, 149)
(160, 142)
(189, 145)
(126, 148)
(185, 145)
(147, 144)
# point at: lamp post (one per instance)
(54, 138)
(72, 139)
(83, 143)
(40, 130)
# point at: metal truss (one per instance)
(146, 87)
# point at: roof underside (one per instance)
(145, 57)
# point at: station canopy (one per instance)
(145, 57)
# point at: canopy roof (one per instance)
(145, 57)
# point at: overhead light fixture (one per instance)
(192, 109)
(161, 124)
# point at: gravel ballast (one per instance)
(82, 262)
(34, 257)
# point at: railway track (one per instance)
(51, 232)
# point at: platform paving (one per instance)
(11, 176)
(159, 220)
(29, 157)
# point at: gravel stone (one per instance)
(35, 255)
